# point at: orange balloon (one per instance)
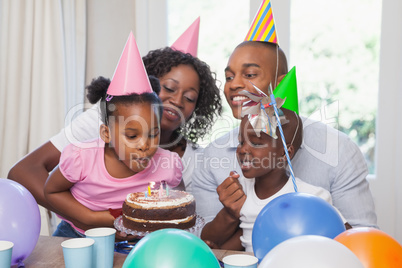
(373, 247)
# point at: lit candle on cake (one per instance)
(167, 189)
(150, 185)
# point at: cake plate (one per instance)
(118, 224)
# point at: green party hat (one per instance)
(287, 88)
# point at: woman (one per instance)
(191, 102)
(187, 84)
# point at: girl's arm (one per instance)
(57, 193)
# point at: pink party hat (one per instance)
(188, 41)
(130, 75)
(263, 26)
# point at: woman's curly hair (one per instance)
(208, 107)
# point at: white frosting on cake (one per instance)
(175, 198)
(177, 221)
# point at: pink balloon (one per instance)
(19, 219)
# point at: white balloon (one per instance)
(310, 251)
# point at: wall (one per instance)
(387, 186)
(105, 39)
(109, 24)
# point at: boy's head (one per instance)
(261, 63)
(258, 156)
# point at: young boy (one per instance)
(263, 163)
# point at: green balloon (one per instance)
(171, 248)
(287, 88)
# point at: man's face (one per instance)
(248, 63)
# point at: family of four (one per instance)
(137, 125)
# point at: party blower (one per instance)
(292, 214)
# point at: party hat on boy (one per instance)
(188, 41)
(287, 88)
(130, 75)
(263, 26)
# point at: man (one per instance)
(327, 158)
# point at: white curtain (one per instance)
(42, 61)
(74, 21)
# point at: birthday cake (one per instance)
(144, 212)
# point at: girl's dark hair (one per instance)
(98, 88)
(160, 61)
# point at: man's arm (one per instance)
(329, 159)
(350, 190)
(234, 243)
(220, 229)
(218, 159)
(205, 181)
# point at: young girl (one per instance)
(179, 74)
(90, 181)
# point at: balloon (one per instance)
(291, 215)
(19, 219)
(373, 247)
(309, 251)
(171, 248)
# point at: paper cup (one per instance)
(104, 246)
(6, 250)
(78, 252)
(240, 261)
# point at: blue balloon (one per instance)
(291, 215)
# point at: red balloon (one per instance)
(373, 247)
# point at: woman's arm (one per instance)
(33, 170)
(57, 193)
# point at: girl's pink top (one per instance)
(96, 189)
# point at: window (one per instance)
(335, 48)
(223, 25)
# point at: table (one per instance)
(49, 253)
